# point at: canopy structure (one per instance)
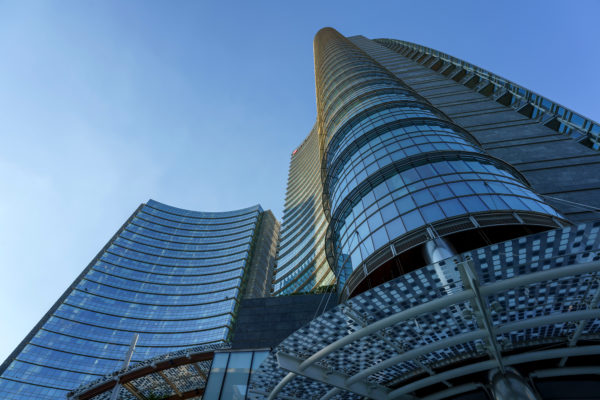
(178, 375)
(529, 304)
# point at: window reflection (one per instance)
(230, 374)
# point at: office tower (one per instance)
(301, 264)
(463, 230)
(400, 174)
(456, 212)
(173, 276)
(548, 143)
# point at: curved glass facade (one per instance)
(174, 276)
(554, 115)
(396, 165)
(301, 264)
(410, 198)
(424, 204)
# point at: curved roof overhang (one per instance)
(530, 303)
(177, 375)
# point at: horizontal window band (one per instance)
(373, 94)
(166, 285)
(144, 319)
(153, 304)
(377, 81)
(415, 161)
(171, 210)
(124, 344)
(304, 259)
(162, 294)
(199, 243)
(144, 332)
(34, 384)
(69, 352)
(166, 274)
(148, 262)
(208, 226)
(232, 229)
(316, 269)
(133, 223)
(170, 266)
(382, 129)
(302, 235)
(335, 138)
(247, 243)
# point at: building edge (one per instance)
(12, 356)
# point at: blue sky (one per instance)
(105, 104)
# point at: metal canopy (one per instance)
(178, 375)
(492, 307)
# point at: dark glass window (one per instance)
(412, 220)
(405, 203)
(432, 213)
(236, 381)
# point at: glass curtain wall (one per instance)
(171, 275)
(301, 264)
(230, 374)
(395, 165)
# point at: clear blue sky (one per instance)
(105, 104)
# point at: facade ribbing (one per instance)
(302, 264)
(264, 258)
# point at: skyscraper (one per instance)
(456, 212)
(302, 264)
(173, 276)
(451, 196)
(401, 174)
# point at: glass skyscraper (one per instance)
(400, 174)
(302, 264)
(173, 276)
(455, 212)
(463, 230)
